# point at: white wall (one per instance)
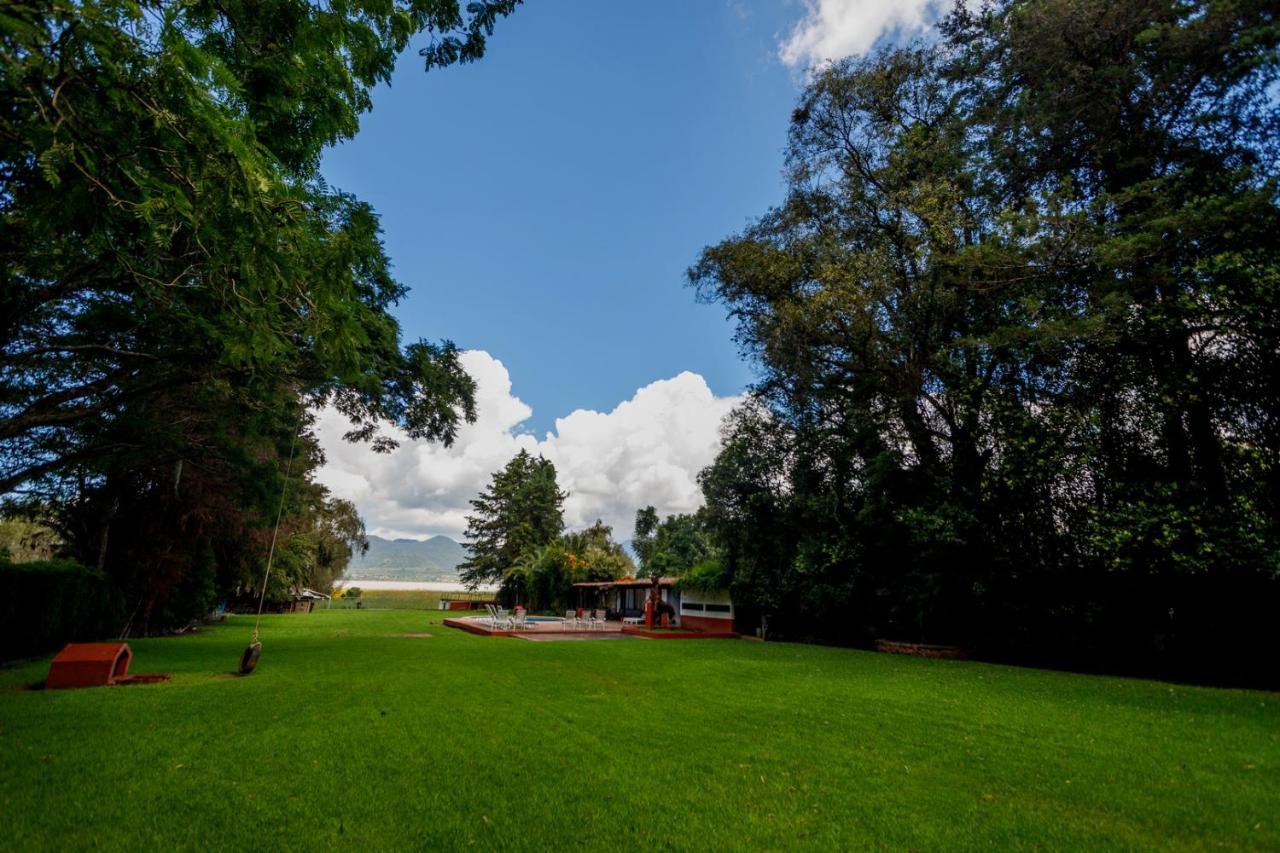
(694, 603)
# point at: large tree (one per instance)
(180, 285)
(670, 547)
(518, 513)
(1016, 324)
(164, 226)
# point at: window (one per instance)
(690, 605)
(719, 608)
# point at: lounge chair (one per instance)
(518, 621)
(600, 618)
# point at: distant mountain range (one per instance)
(434, 559)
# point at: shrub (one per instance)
(50, 602)
(707, 576)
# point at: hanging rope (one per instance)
(271, 553)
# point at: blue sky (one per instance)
(544, 203)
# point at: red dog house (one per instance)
(89, 665)
(94, 665)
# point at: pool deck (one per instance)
(477, 626)
(610, 630)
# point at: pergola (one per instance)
(623, 597)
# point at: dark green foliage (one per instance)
(165, 232)
(520, 512)
(543, 580)
(177, 540)
(181, 288)
(707, 576)
(1018, 335)
(51, 602)
(671, 547)
(22, 541)
(646, 528)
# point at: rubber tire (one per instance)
(249, 659)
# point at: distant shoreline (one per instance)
(433, 586)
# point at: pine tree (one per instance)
(519, 512)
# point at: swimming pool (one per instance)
(526, 619)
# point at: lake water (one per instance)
(434, 586)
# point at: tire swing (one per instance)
(249, 660)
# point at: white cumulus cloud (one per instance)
(647, 450)
(834, 29)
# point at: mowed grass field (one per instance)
(352, 735)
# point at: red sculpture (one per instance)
(657, 610)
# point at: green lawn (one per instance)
(352, 735)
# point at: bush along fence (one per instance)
(47, 603)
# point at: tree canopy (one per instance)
(670, 547)
(181, 287)
(543, 579)
(520, 511)
(1012, 322)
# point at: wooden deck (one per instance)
(534, 630)
(476, 625)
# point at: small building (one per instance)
(624, 599)
(300, 600)
(706, 611)
(303, 601)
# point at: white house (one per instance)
(695, 610)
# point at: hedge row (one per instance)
(47, 603)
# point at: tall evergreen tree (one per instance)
(519, 512)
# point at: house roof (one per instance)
(627, 583)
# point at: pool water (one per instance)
(526, 619)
